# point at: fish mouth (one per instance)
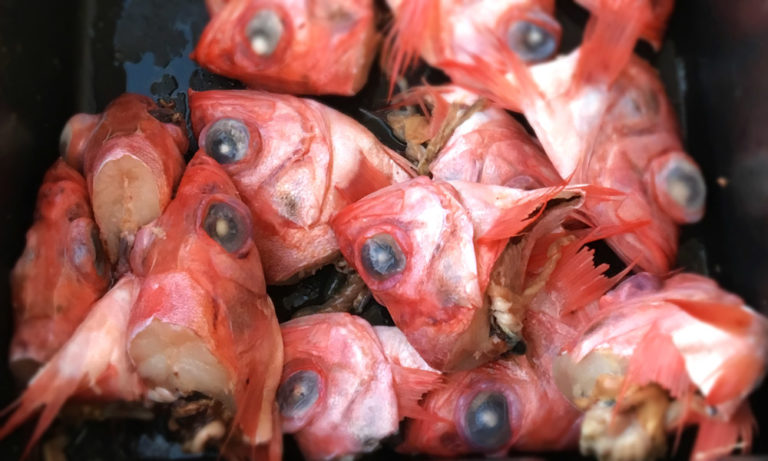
(175, 342)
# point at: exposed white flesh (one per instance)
(125, 196)
(175, 361)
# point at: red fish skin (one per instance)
(61, 273)
(454, 31)
(305, 162)
(689, 337)
(539, 417)
(656, 25)
(491, 147)
(603, 118)
(326, 47)
(445, 230)
(91, 365)
(356, 405)
(126, 128)
(192, 282)
(723, 342)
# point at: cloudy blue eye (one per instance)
(486, 421)
(298, 393)
(531, 42)
(685, 185)
(227, 140)
(382, 257)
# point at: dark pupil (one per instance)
(227, 141)
(687, 187)
(225, 225)
(487, 421)
(382, 257)
(298, 393)
(531, 42)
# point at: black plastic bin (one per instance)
(58, 58)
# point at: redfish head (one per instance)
(289, 47)
(476, 412)
(61, 273)
(203, 307)
(639, 152)
(131, 157)
(413, 246)
(453, 31)
(336, 395)
(490, 409)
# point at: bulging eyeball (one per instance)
(382, 257)
(679, 187)
(227, 140)
(297, 394)
(486, 421)
(227, 226)
(264, 32)
(531, 42)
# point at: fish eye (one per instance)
(382, 257)
(685, 185)
(680, 187)
(227, 226)
(86, 250)
(227, 140)
(298, 393)
(264, 32)
(530, 41)
(486, 421)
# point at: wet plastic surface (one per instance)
(59, 58)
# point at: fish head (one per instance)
(277, 149)
(639, 152)
(131, 159)
(289, 46)
(701, 338)
(203, 290)
(457, 30)
(412, 243)
(491, 147)
(336, 394)
(62, 271)
(477, 411)
(527, 27)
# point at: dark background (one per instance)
(58, 58)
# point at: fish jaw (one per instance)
(356, 404)
(343, 30)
